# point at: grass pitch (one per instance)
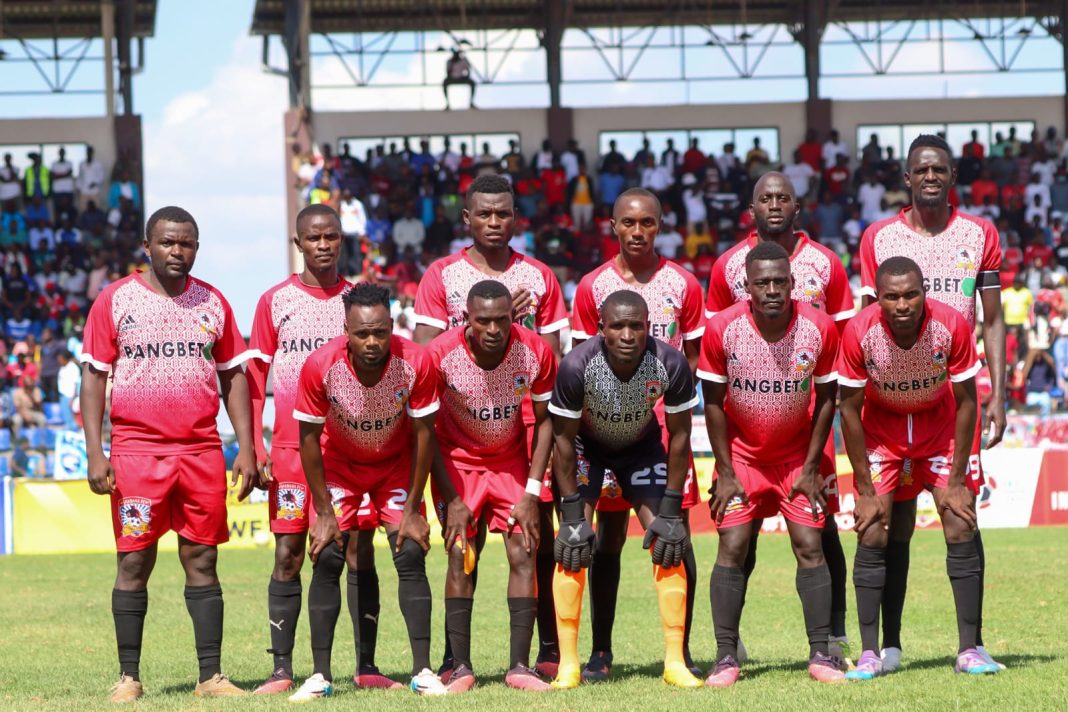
(58, 649)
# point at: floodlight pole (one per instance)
(299, 132)
(559, 120)
(107, 33)
(817, 110)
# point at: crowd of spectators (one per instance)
(66, 232)
(400, 208)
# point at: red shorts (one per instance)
(909, 453)
(490, 494)
(288, 500)
(157, 493)
(767, 488)
(365, 496)
(612, 499)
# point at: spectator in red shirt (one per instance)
(975, 147)
(984, 186)
(1038, 250)
(694, 160)
(811, 151)
(702, 265)
(836, 178)
(554, 182)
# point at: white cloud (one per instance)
(219, 152)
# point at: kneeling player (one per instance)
(373, 394)
(910, 363)
(484, 371)
(761, 360)
(603, 418)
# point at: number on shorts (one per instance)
(400, 496)
(641, 478)
(940, 465)
(973, 467)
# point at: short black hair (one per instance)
(897, 266)
(765, 251)
(316, 209)
(930, 141)
(638, 193)
(170, 213)
(366, 294)
(623, 298)
(488, 289)
(491, 184)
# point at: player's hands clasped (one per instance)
(667, 534)
(101, 474)
(573, 547)
(810, 484)
(725, 489)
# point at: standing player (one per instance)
(820, 281)
(604, 417)
(907, 372)
(293, 319)
(366, 405)
(166, 339)
(537, 303)
(673, 297)
(484, 371)
(761, 361)
(960, 256)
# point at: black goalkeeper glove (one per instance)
(573, 547)
(667, 533)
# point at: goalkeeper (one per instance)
(603, 418)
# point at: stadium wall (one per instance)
(97, 132)
(789, 118)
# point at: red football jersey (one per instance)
(820, 279)
(442, 296)
(292, 320)
(769, 385)
(907, 380)
(368, 425)
(673, 296)
(163, 353)
(480, 423)
(965, 257)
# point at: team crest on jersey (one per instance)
(938, 361)
(336, 495)
(290, 502)
(654, 390)
(965, 258)
(521, 383)
(812, 288)
(400, 397)
(803, 361)
(135, 516)
(875, 465)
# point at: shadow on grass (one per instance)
(749, 670)
(1009, 661)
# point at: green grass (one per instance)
(58, 649)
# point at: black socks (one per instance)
(205, 606)
(128, 608)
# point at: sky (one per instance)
(212, 120)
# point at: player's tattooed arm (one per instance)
(994, 346)
(94, 387)
(413, 524)
(725, 487)
(958, 498)
(870, 508)
(233, 385)
(810, 483)
(325, 529)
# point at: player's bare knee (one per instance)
(733, 546)
(133, 571)
(288, 556)
(808, 547)
(874, 537)
(955, 529)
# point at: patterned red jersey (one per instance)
(292, 320)
(907, 380)
(769, 385)
(442, 296)
(819, 278)
(964, 257)
(480, 422)
(368, 425)
(673, 296)
(163, 354)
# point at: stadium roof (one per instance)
(37, 19)
(340, 16)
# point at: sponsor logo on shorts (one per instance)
(336, 495)
(135, 516)
(290, 502)
(582, 471)
(735, 505)
(610, 486)
(906, 472)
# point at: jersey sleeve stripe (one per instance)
(695, 334)
(843, 315)
(540, 397)
(317, 419)
(422, 412)
(98, 365)
(709, 376)
(554, 327)
(852, 382)
(235, 361)
(256, 353)
(867, 291)
(579, 334)
(430, 321)
(965, 375)
(564, 412)
(684, 407)
(709, 314)
(832, 376)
